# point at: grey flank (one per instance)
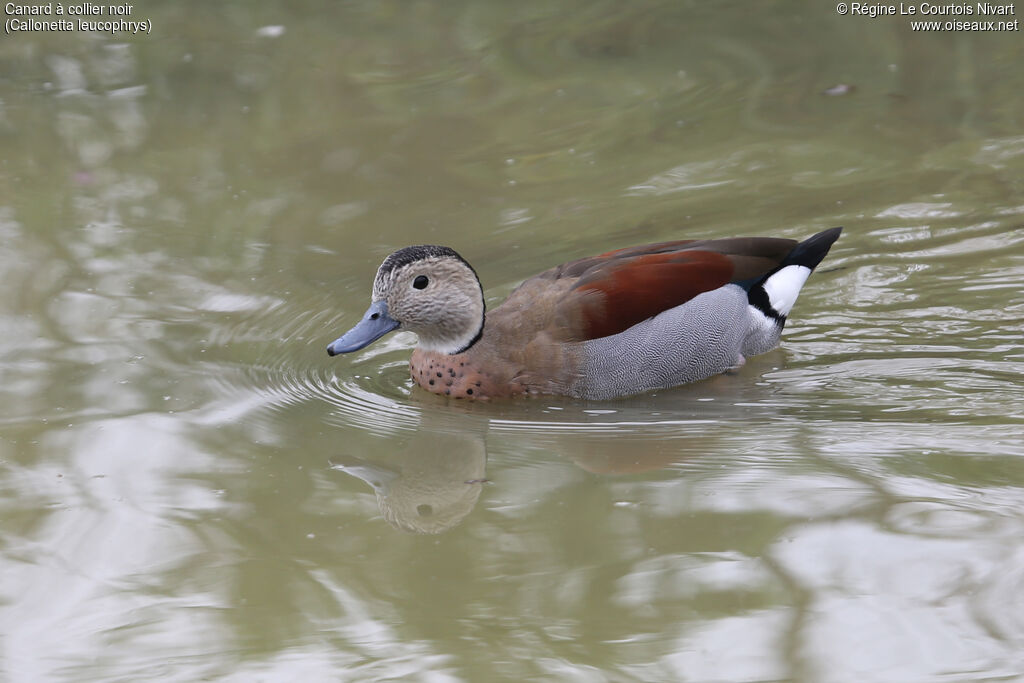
(705, 336)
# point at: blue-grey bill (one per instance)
(374, 325)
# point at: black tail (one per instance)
(775, 299)
(812, 250)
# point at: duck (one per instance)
(628, 321)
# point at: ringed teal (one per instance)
(624, 322)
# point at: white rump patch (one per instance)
(784, 287)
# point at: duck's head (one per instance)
(427, 289)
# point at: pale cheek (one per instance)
(425, 314)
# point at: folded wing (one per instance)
(618, 289)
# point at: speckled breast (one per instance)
(458, 376)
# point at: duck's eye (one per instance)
(420, 282)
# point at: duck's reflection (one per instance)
(430, 485)
(430, 481)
